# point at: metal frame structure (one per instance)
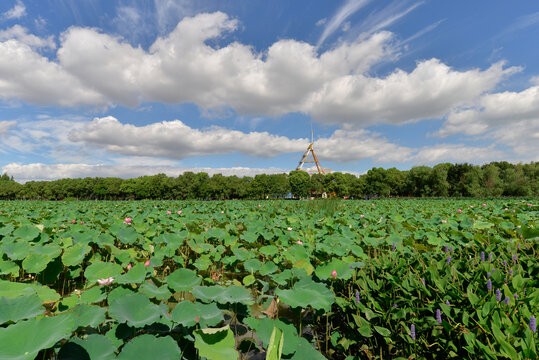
(319, 168)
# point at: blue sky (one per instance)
(129, 88)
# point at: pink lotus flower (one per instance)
(529, 204)
(483, 205)
(299, 242)
(460, 210)
(73, 221)
(197, 319)
(82, 222)
(222, 212)
(362, 216)
(471, 206)
(169, 212)
(334, 274)
(289, 228)
(147, 263)
(128, 221)
(506, 209)
(129, 267)
(107, 281)
(179, 212)
(444, 221)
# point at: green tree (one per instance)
(299, 183)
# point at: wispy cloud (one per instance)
(344, 12)
(16, 12)
(522, 23)
(387, 16)
(423, 31)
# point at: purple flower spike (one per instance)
(493, 269)
(488, 274)
(448, 260)
(394, 246)
(506, 301)
(505, 263)
(515, 258)
(533, 325)
(489, 285)
(489, 256)
(510, 272)
(451, 248)
(357, 297)
(482, 256)
(515, 296)
(438, 316)
(447, 303)
(423, 281)
(446, 248)
(498, 295)
(412, 332)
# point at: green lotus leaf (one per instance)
(323, 271)
(307, 292)
(17, 250)
(75, 254)
(152, 291)
(264, 328)
(51, 250)
(27, 232)
(89, 315)
(306, 351)
(35, 263)
(183, 280)
(134, 309)
(223, 295)
(185, 313)
(102, 270)
(135, 275)
(26, 338)
(20, 307)
(149, 347)
(216, 344)
(267, 268)
(9, 268)
(98, 347)
(125, 233)
(92, 295)
(252, 265)
(13, 289)
(118, 292)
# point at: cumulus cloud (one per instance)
(290, 76)
(36, 171)
(16, 12)
(457, 153)
(21, 34)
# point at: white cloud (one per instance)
(386, 17)
(344, 12)
(16, 12)
(175, 140)
(457, 153)
(33, 172)
(334, 87)
(6, 126)
(21, 34)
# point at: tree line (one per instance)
(443, 180)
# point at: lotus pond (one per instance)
(407, 279)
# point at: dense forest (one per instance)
(455, 180)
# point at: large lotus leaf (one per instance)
(52, 250)
(88, 315)
(9, 268)
(75, 254)
(7, 229)
(152, 291)
(35, 263)
(27, 232)
(306, 351)
(323, 272)
(183, 280)
(223, 295)
(252, 265)
(135, 275)
(307, 292)
(98, 347)
(118, 292)
(216, 344)
(149, 347)
(92, 295)
(101, 270)
(13, 289)
(20, 307)
(135, 309)
(125, 234)
(17, 250)
(185, 313)
(27, 338)
(267, 268)
(264, 328)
